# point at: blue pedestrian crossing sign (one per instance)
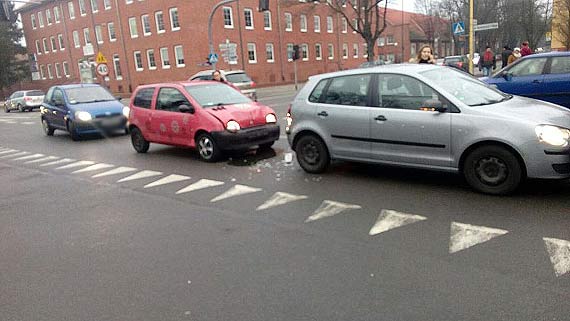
(213, 58)
(458, 28)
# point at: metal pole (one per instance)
(403, 59)
(471, 49)
(295, 71)
(210, 19)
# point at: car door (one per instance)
(524, 78)
(343, 114)
(141, 111)
(403, 130)
(58, 108)
(169, 125)
(557, 81)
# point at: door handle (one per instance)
(323, 114)
(380, 118)
(536, 81)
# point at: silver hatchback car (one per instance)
(432, 117)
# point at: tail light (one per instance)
(27, 98)
(460, 64)
(289, 119)
(252, 84)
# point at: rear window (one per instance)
(236, 78)
(35, 93)
(448, 60)
(216, 94)
(143, 99)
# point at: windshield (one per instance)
(35, 93)
(85, 95)
(240, 77)
(216, 94)
(464, 87)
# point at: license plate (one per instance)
(110, 122)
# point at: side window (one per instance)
(528, 67)
(560, 65)
(47, 97)
(348, 90)
(403, 92)
(318, 91)
(169, 99)
(143, 99)
(57, 97)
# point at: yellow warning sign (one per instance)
(100, 58)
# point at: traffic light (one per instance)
(263, 5)
(296, 52)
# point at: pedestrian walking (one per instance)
(525, 50)
(487, 62)
(425, 56)
(514, 56)
(507, 52)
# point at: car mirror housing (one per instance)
(186, 109)
(508, 76)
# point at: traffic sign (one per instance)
(458, 28)
(486, 26)
(102, 69)
(213, 58)
(100, 58)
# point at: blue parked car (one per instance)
(82, 109)
(544, 76)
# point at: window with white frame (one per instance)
(390, 40)
(138, 61)
(133, 27)
(107, 4)
(128, 1)
(57, 71)
(248, 16)
(151, 59)
(33, 21)
(355, 50)
(288, 22)
(365, 50)
(38, 48)
(330, 25)
(413, 49)
(267, 20)
(269, 52)
(44, 42)
(94, 6)
(305, 52)
(82, 9)
(48, 17)
(65, 66)
(174, 22)
(228, 18)
(112, 33)
(42, 72)
(98, 34)
(251, 53)
(117, 67)
(344, 25)
(61, 42)
(41, 19)
(179, 56)
(76, 41)
(53, 44)
(71, 10)
(318, 51)
(317, 23)
(50, 74)
(331, 51)
(56, 15)
(355, 25)
(303, 23)
(159, 18)
(87, 36)
(164, 58)
(289, 52)
(344, 51)
(145, 22)
(381, 42)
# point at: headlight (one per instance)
(553, 135)
(126, 111)
(233, 126)
(270, 118)
(83, 115)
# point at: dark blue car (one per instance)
(544, 76)
(82, 109)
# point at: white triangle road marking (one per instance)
(330, 208)
(9, 151)
(235, 191)
(464, 236)
(58, 162)
(29, 157)
(390, 219)
(76, 164)
(167, 180)
(201, 184)
(139, 175)
(15, 155)
(93, 168)
(559, 251)
(280, 198)
(115, 171)
(43, 159)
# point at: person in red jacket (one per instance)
(525, 50)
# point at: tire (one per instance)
(207, 148)
(20, 108)
(6, 109)
(266, 146)
(312, 154)
(73, 132)
(140, 144)
(493, 170)
(48, 130)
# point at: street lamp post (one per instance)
(210, 19)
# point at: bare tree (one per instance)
(561, 23)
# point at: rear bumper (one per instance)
(246, 138)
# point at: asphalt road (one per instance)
(92, 230)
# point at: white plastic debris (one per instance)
(288, 157)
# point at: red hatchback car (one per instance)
(210, 116)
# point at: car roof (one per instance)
(71, 86)
(407, 68)
(225, 72)
(178, 83)
(549, 54)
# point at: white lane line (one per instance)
(76, 164)
(29, 157)
(559, 251)
(139, 175)
(115, 171)
(167, 180)
(15, 155)
(9, 151)
(28, 123)
(237, 190)
(330, 208)
(464, 236)
(201, 184)
(10, 122)
(58, 162)
(390, 219)
(44, 159)
(280, 198)
(93, 168)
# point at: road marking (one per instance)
(331, 208)
(559, 251)
(201, 184)
(139, 175)
(115, 171)
(57, 162)
(29, 157)
(28, 123)
(44, 159)
(76, 164)
(9, 151)
(167, 180)
(464, 236)
(10, 122)
(15, 155)
(390, 219)
(280, 198)
(235, 191)
(93, 168)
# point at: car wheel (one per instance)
(6, 109)
(140, 144)
(312, 154)
(20, 108)
(493, 170)
(207, 148)
(266, 146)
(73, 132)
(48, 130)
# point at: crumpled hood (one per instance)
(247, 115)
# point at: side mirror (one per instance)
(508, 76)
(57, 102)
(186, 109)
(434, 105)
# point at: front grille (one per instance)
(562, 168)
